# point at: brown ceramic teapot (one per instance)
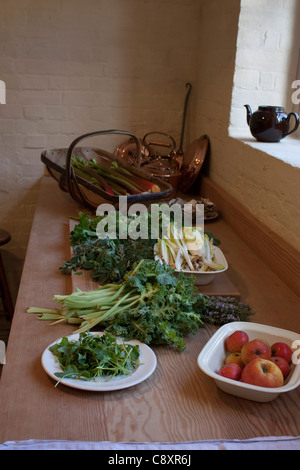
(270, 123)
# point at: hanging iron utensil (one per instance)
(179, 153)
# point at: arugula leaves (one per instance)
(93, 357)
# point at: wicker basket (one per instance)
(59, 165)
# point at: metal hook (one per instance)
(188, 85)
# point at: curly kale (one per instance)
(166, 309)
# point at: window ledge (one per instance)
(287, 150)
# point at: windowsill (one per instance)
(287, 150)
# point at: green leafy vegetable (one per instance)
(107, 260)
(94, 357)
(151, 305)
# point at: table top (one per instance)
(178, 402)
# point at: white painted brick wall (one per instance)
(72, 67)
(266, 56)
(265, 185)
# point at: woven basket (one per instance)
(59, 165)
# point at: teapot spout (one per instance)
(249, 113)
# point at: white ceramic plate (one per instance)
(147, 366)
(212, 356)
(205, 277)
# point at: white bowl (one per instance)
(205, 277)
(212, 356)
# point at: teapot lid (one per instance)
(271, 108)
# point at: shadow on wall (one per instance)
(153, 54)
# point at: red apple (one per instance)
(263, 373)
(281, 349)
(234, 358)
(254, 349)
(231, 371)
(236, 341)
(264, 341)
(282, 364)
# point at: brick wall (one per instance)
(249, 65)
(72, 67)
(267, 52)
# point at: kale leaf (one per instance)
(107, 260)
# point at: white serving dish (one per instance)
(205, 277)
(212, 356)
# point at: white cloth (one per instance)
(259, 443)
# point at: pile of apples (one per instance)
(256, 362)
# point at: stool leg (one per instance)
(6, 297)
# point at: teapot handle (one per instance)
(296, 123)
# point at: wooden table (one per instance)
(178, 402)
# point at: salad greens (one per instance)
(92, 357)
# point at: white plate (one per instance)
(205, 277)
(147, 366)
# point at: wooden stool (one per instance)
(6, 297)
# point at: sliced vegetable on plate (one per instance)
(189, 250)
